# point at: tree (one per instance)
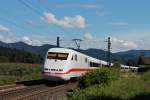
(131, 62)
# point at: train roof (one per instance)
(67, 50)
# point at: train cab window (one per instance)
(72, 58)
(60, 56)
(76, 58)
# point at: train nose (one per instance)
(53, 76)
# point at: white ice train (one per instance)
(65, 64)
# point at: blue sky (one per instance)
(37, 22)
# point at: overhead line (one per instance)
(14, 24)
(44, 6)
(30, 7)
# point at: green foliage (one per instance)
(7, 79)
(4, 59)
(13, 55)
(117, 65)
(98, 76)
(12, 72)
(125, 88)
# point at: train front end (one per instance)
(55, 64)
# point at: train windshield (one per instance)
(55, 55)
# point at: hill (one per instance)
(132, 54)
(97, 53)
(40, 50)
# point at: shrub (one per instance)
(98, 76)
(122, 89)
(117, 65)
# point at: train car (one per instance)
(65, 64)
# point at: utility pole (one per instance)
(58, 40)
(77, 42)
(109, 48)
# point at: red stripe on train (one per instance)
(69, 71)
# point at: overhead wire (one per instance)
(30, 7)
(59, 27)
(12, 22)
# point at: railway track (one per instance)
(7, 86)
(37, 92)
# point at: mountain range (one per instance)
(97, 53)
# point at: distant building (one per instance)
(144, 61)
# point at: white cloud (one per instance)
(69, 22)
(1, 37)
(89, 41)
(120, 41)
(88, 36)
(139, 38)
(3, 29)
(119, 23)
(27, 40)
(119, 44)
(8, 37)
(38, 40)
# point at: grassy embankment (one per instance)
(13, 72)
(110, 84)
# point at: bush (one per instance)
(117, 65)
(98, 76)
(122, 89)
(125, 88)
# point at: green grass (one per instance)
(130, 86)
(13, 72)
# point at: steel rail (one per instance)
(48, 92)
(36, 92)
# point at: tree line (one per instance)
(14, 55)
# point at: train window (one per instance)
(46, 69)
(76, 57)
(54, 55)
(86, 60)
(96, 65)
(72, 58)
(92, 64)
